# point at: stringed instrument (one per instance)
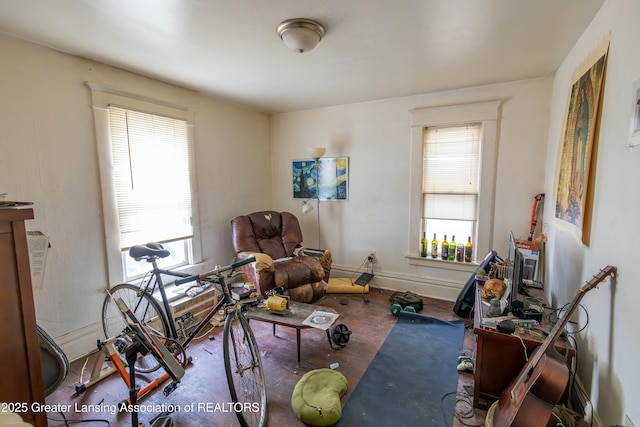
(532, 395)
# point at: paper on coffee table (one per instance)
(320, 319)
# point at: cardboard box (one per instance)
(531, 253)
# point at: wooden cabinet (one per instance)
(500, 356)
(20, 371)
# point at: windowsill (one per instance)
(469, 267)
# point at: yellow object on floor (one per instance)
(345, 285)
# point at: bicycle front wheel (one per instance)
(244, 371)
(144, 307)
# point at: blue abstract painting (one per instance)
(332, 176)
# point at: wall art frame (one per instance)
(578, 147)
(333, 177)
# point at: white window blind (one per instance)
(152, 177)
(451, 172)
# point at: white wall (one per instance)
(608, 349)
(48, 156)
(376, 136)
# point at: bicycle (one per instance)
(242, 362)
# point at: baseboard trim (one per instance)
(425, 286)
(81, 342)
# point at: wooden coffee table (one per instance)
(298, 312)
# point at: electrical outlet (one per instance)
(371, 256)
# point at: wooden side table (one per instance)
(298, 312)
(500, 357)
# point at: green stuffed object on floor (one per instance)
(316, 397)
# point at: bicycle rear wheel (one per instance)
(244, 371)
(144, 307)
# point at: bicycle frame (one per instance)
(212, 276)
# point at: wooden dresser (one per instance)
(21, 381)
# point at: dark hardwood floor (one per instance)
(205, 383)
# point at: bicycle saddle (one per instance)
(150, 250)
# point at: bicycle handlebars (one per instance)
(232, 266)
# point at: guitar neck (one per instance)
(557, 329)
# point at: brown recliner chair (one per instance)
(275, 239)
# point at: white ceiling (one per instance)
(373, 49)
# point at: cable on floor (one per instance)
(463, 414)
(67, 422)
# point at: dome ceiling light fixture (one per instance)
(300, 34)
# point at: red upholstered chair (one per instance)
(275, 239)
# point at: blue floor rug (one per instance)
(408, 380)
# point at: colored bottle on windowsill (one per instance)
(423, 246)
(444, 249)
(452, 248)
(468, 250)
(434, 247)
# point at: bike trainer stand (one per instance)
(109, 350)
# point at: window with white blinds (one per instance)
(453, 172)
(152, 177)
(450, 177)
